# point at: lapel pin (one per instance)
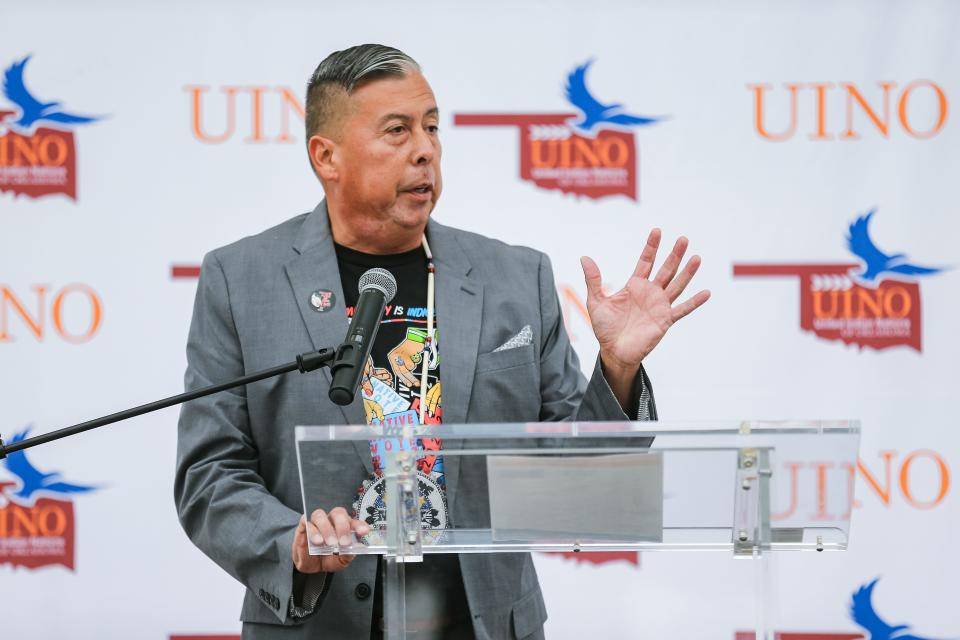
(322, 300)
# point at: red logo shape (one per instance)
(40, 164)
(554, 156)
(600, 557)
(38, 535)
(836, 307)
(801, 635)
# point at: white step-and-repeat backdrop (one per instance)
(795, 143)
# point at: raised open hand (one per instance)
(631, 322)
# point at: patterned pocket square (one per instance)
(522, 339)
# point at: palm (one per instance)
(631, 322)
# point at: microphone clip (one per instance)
(313, 360)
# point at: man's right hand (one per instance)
(333, 529)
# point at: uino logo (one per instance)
(590, 153)
(919, 110)
(862, 613)
(37, 523)
(875, 303)
(37, 152)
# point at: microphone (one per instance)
(377, 288)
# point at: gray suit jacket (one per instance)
(237, 489)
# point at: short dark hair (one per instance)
(347, 70)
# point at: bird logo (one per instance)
(33, 481)
(876, 261)
(593, 112)
(33, 111)
(862, 612)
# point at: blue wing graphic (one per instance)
(862, 613)
(593, 112)
(874, 260)
(33, 480)
(578, 94)
(16, 92)
(31, 109)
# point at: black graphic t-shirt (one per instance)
(392, 396)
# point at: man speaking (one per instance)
(474, 334)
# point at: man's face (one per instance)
(388, 157)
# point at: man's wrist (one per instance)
(613, 368)
(620, 377)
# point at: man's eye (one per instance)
(433, 128)
(397, 129)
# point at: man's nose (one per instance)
(424, 149)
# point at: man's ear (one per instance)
(323, 157)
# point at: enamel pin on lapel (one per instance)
(322, 301)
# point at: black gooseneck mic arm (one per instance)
(310, 361)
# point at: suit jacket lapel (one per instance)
(315, 267)
(459, 302)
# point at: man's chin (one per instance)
(412, 217)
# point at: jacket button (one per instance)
(362, 591)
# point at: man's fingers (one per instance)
(678, 284)
(687, 306)
(341, 524)
(334, 529)
(361, 527)
(341, 561)
(302, 559)
(300, 535)
(669, 267)
(337, 563)
(324, 531)
(648, 255)
(340, 519)
(591, 275)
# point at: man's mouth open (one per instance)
(420, 192)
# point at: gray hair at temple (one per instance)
(346, 71)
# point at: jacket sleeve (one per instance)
(223, 504)
(565, 392)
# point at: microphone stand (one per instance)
(310, 361)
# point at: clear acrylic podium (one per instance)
(601, 486)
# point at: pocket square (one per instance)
(522, 339)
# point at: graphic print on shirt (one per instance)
(403, 358)
(392, 397)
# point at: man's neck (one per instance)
(373, 236)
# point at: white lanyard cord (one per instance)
(428, 342)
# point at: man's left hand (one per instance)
(631, 322)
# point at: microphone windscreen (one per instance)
(381, 280)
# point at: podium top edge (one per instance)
(625, 429)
